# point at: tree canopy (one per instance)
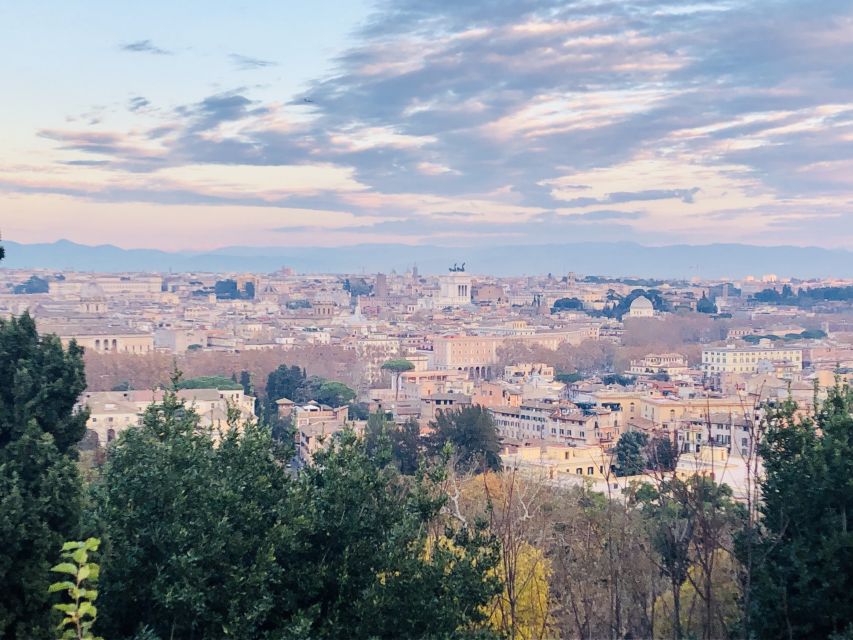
(472, 434)
(801, 587)
(222, 541)
(40, 488)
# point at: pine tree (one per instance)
(802, 576)
(40, 490)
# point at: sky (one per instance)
(194, 125)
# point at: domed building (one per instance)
(641, 307)
(92, 299)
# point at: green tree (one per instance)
(567, 304)
(209, 382)
(247, 383)
(40, 488)
(397, 367)
(196, 533)
(802, 575)
(404, 441)
(212, 541)
(662, 454)
(283, 382)
(472, 434)
(33, 285)
(630, 458)
(334, 394)
(705, 305)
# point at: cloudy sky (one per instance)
(192, 125)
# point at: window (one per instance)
(590, 470)
(579, 471)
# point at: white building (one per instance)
(732, 359)
(454, 290)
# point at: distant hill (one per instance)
(599, 258)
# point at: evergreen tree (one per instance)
(705, 305)
(802, 576)
(284, 382)
(39, 483)
(472, 434)
(210, 541)
(630, 459)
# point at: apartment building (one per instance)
(111, 412)
(734, 359)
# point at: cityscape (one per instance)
(379, 320)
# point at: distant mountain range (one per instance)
(598, 258)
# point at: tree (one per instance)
(283, 382)
(396, 367)
(803, 573)
(201, 551)
(404, 441)
(334, 394)
(247, 383)
(33, 285)
(692, 523)
(222, 541)
(472, 434)
(630, 459)
(210, 382)
(705, 305)
(662, 454)
(40, 491)
(573, 304)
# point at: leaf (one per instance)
(92, 544)
(61, 586)
(80, 556)
(65, 567)
(65, 608)
(94, 570)
(68, 546)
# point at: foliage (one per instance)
(358, 411)
(569, 378)
(33, 285)
(615, 378)
(727, 613)
(566, 304)
(334, 394)
(210, 382)
(358, 287)
(619, 305)
(706, 305)
(527, 616)
(404, 442)
(802, 580)
(630, 459)
(691, 522)
(80, 614)
(284, 382)
(662, 454)
(247, 383)
(809, 334)
(40, 490)
(472, 433)
(398, 365)
(222, 541)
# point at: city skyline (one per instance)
(480, 124)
